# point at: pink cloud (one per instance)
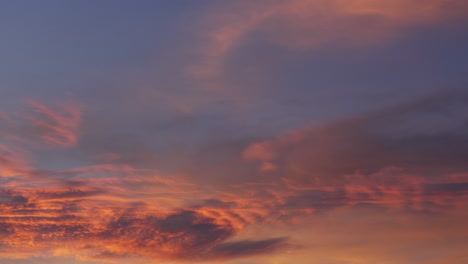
(268, 150)
(57, 125)
(311, 24)
(13, 162)
(106, 212)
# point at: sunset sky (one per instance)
(234, 131)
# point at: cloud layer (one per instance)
(241, 132)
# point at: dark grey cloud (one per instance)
(248, 247)
(427, 137)
(215, 203)
(10, 198)
(70, 193)
(459, 188)
(317, 199)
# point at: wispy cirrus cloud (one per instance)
(13, 162)
(312, 24)
(56, 126)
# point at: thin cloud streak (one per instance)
(57, 127)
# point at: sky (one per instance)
(236, 132)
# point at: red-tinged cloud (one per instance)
(382, 159)
(310, 24)
(55, 124)
(58, 126)
(107, 219)
(90, 223)
(107, 212)
(13, 163)
(267, 151)
(366, 144)
(114, 211)
(99, 228)
(247, 247)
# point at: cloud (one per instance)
(10, 198)
(56, 126)
(425, 136)
(215, 203)
(114, 215)
(109, 230)
(371, 162)
(407, 157)
(68, 194)
(13, 162)
(311, 24)
(247, 247)
(183, 234)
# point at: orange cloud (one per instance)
(109, 212)
(86, 224)
(112, 212)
